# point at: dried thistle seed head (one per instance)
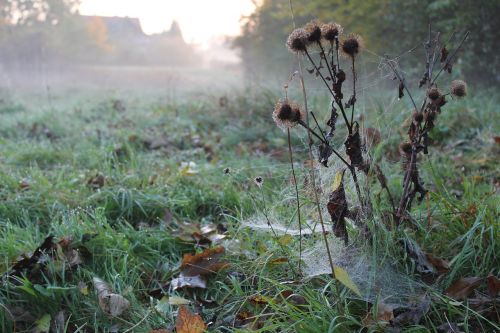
(287, 115)
(313, 30)
(458, 88)
(297, 41)
(330, 31)
(429, 115)
(441, 101)
(227, 171)
(258, 181)
(340, 76)
(433, 93)
(405, 148)
(352, 45)
(418, 116)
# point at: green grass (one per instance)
(127, 243)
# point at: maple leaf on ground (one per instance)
(196, 267)
(204, 263)
(188, 322)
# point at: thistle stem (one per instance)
(290, 152)
(337, 100)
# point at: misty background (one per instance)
(49, 43)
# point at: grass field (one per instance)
(110, 178)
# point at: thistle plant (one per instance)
(332, 57)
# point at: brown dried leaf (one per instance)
(414, 315)
(441, 265)
(112, 304)
(493, 284)
(96, 182)
(384, 313)
(183, 281)
(259, 300)
(278, 261)
(204, 263)
(27, 263)
(188, 322)
(462, 288)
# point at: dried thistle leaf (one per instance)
(441, 265)
(337, 208)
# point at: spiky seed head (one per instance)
(441, 101)
(297, 41)
(287, 115)
(405, 148)
(227, 171)
(458, 88)
(330, 31)
(433, 93)
(258, 181)
(352, 45)
(341, 76)
(430, 115)
(313, 30)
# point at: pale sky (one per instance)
(200, 20)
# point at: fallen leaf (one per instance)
(83, 288)
(176, 300)
(183, 281)
(493, 284)
(295, 299)
(415, 252)
(285, 239)
(188, 322)
(385, 313)
(414, 315)
(462, 288)
(278, 261)
(19, 314)
(156, 143)
(59, 323)
(343, 277)
(111, 303)
(259, 299)
(441, 265)
(188, 169)
(43, 324)
(24, 184)
(96, 182)
(204, 263)
(449, 328)
(27, 264)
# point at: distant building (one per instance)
(128, 44)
